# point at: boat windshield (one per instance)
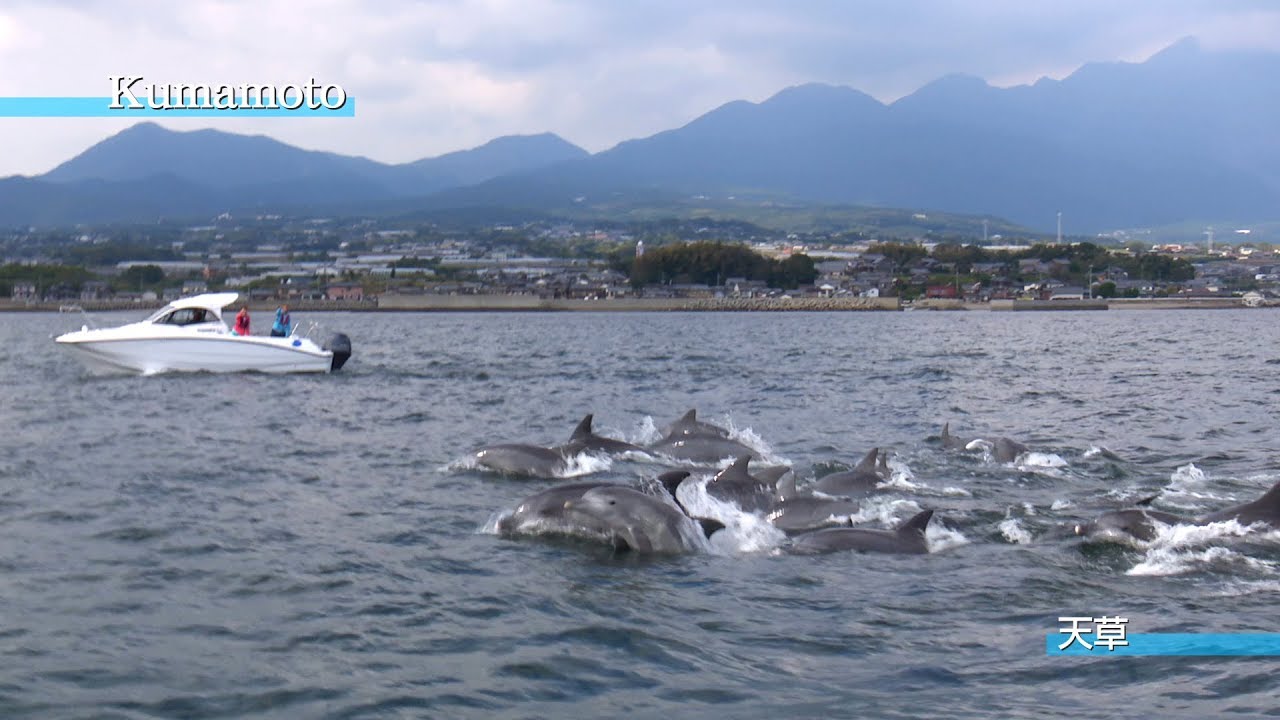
(185, 316)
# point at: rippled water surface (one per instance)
(315, 547)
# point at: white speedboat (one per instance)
(189, 335)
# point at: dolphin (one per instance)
(863, 479)
(737, 485)
(1140, 523)
(524, 460)
(952, 442)
(642, 523)
(689, 424)
(584, 439)
(1265, 509)
(882, 466)
(793, 513)
(544, 512)
(771, 474)
(907, 538)
(701, 448)
(1006, 450)
(548, 462)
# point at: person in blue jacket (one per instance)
(283, 323)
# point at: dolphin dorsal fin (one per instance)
(868, 462)
(916, 524)
(946, 431)
(583, 431)
(1146, 501)
(737, 470)
(1270, 498)
(882, 464)
(689, 417)
(786, 487)
(708, 525)
(671, 481)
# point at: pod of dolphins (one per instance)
(630, 519)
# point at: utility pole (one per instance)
(984, 232)
(1059, 227)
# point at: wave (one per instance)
(1179, 549)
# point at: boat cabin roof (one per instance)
(216, 301)
(211, 303)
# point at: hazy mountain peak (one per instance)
(817, 95)
(1117, 144)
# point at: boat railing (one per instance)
(312, 327)
(89, 320)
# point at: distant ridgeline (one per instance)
(1181, 137)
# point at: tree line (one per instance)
(1079, 259)
(713, 263)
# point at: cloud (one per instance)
(439, 75)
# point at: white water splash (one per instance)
(1047, 464)
(901, 477)
(940, 537)
(585, 464)
(647, 433)
(575, 466)
(1041, 460)
(887, 512)
(1061, 504)
(1179, 549)
(1013, 531)
(1160, 564)
(1187, 477)
(751, 439)
(468, 462)
(490, 526)
(1186, 489)
(744, 532)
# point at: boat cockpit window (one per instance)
(187, 316)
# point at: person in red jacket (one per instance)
(242, 321)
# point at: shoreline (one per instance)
(528, 303)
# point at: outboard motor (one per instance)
(340, 345)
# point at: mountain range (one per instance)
(1183, 136)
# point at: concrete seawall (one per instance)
(533, 303)
(445, 303)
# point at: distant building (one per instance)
(344, 291)
(94, 290)
(24, 290)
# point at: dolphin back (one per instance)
(1265, 509)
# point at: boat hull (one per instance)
(213, 353)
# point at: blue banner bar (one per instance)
(45, 107)
(1149, 644)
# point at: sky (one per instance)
(434, 76)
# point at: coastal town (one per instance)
(365, 264)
